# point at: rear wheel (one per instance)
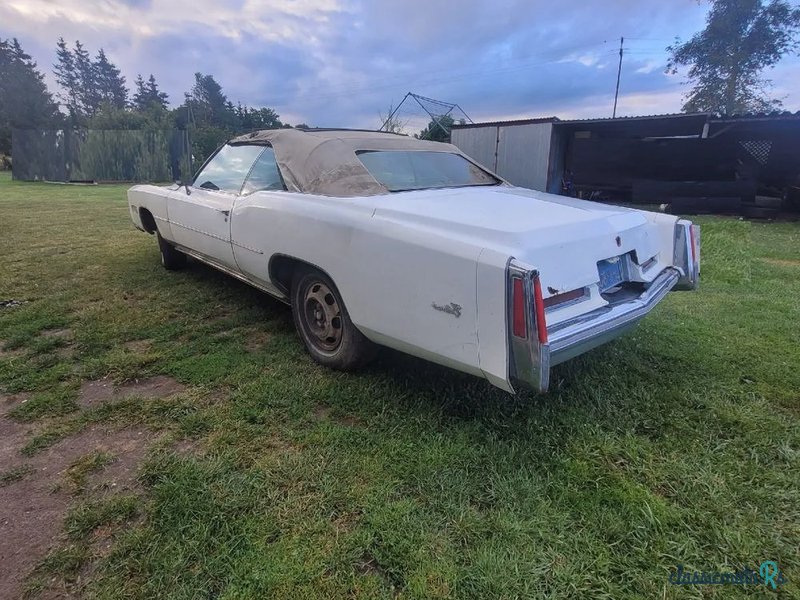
(324, 326)
(171, 258)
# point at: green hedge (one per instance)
(97, 154)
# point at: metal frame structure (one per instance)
(434, 117)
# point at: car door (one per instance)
(200, 215)
(263, 187)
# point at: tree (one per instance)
(391, 122)
(77, 75)
(88, 93)
(25, 102)
(148, 95)
(256, 118)
(209, 104)
(726, 59)
(67, 78)
(438, 129)
(110, 83)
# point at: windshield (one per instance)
(416, 170)
(226, 170)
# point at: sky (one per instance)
(343, 63)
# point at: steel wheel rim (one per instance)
(323, 317)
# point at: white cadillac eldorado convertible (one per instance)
(377, 239)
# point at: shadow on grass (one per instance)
(624, 386)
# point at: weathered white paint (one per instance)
(397, 257)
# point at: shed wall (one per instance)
(479, 143)
(518, 153)
(523, 154)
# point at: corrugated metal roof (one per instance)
(698, 115)
(770, 116)
(503, 123)
(711, 117)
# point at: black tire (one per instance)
(171, 258)
(323, 324)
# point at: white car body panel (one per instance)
(424, 272)
(201, 221)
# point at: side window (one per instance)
(265, 175)
(228, 168)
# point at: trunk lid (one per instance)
(564, 238)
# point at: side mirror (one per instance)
(185, 185)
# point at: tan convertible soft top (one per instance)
(324, 161)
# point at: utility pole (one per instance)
(619, 72)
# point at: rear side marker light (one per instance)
(565, 297)
(541, 326)
(518, 300)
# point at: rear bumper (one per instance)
(593, 329)
(531, 361)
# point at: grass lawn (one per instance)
(271, 477)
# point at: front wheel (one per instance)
(324, 326)
(171, 258)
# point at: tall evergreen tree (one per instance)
(209, 104)
(148, 95)
(89, 93)
(67, 78)
(76, 74)
(25, 102)
(110, 83)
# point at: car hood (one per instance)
(562, 237)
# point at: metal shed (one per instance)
(519, 151)
(718, 163)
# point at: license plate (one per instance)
(610, 273)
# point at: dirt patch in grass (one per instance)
(781, 262)
(16, 352)
(33, 506)
(368, 565)
(322, 412)
(256, 341)
(64, 334)
(350, 421)
(188, 447)
(9, 401)
(94, 393)
(325, 413)
(138, 346)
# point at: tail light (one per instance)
(519, 308)
(541, 325)
(529, 351)
(519, 322)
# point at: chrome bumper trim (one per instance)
(683, 254)
(588, 331)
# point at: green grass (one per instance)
(676, 444)
(79, 471)
(14, 474)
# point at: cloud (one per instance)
(341, 62)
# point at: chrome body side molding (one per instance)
(212, 263)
